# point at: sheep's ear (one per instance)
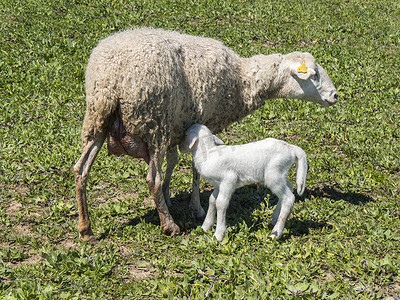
(218, 141)
(302, 71)
(192, 139)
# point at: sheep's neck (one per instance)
(256, 84)
(259, 82)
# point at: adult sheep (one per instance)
(145, 87)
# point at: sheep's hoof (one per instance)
(201, 214)
(92, 240)
(198, 215)
(171, 229)
(88, 238)
(86, 234)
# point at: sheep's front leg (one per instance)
(210, 217)
(195, 206)
(172, 160)
(81, 172)
(153, 180)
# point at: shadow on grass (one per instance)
(334, 192)
(179, 210)
(244, 201)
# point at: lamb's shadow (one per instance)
(248, 199)
(336, 193)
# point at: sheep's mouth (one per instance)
(327, 103)
(332, 100)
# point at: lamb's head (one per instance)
(195, 133)
(302, 78)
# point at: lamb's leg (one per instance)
(286, 201)
(210, 217)
(81, 172)
(153, 180)
(277, 210)
(195, 206)
(172, 160)
(222, 204)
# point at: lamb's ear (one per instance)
(302, 71)
(218, 141)
(192, 139)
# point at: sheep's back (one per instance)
(163, 82)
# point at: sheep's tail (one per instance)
(99, 112)
(301, 162)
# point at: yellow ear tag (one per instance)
(302, 68)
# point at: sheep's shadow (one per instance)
(179, 210)
(248, 199)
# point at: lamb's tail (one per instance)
(301, 162)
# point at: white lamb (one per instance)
(230, 167)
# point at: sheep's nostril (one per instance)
(335, 96)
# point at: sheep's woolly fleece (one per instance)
(162, 82)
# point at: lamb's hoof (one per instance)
(171, 229)
(219, 237)
(206, 227)
(274, 236)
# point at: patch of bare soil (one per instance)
(139, 273)
(142, 271)
(68, 243)
(22, 229)
(21, 189)
(121, 196)
(31, 260)
(13, 207)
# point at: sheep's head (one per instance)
(302, 78)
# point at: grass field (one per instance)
(343, 238)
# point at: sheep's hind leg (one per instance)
(172, 160)
(81, 172)
(153, 180)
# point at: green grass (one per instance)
(343, 239)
